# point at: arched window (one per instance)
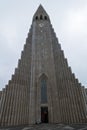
(36, 18)
(45, 17)
(41, 17)
(43, 89)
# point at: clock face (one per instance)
(41, 25)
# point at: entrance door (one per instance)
(44, 114)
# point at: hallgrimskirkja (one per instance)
(43, 88)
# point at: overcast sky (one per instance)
(69, 19)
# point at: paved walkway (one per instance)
(49, 127)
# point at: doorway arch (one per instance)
(44, 114)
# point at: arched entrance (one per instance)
(44, 114)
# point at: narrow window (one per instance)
(43, 90)
(45, 17)
(36, 17)
(41, 17)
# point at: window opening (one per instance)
(45, 17)
(41, 17)
(36, 17)
(43, 90)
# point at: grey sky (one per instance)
(69, 19)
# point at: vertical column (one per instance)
(76, 98)
(32, 80)
(1, 107)
(50, 102)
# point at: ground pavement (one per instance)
(49, 127)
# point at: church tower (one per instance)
(43, 87)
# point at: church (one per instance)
(43, 88)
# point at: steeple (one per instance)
(41, 14)
(43, 87)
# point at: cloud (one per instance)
(77, 21)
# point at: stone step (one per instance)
(49, 127)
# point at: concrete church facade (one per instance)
(43, 87)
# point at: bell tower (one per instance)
(42, 63)
(43, 88)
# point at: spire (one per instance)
(40, 12)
